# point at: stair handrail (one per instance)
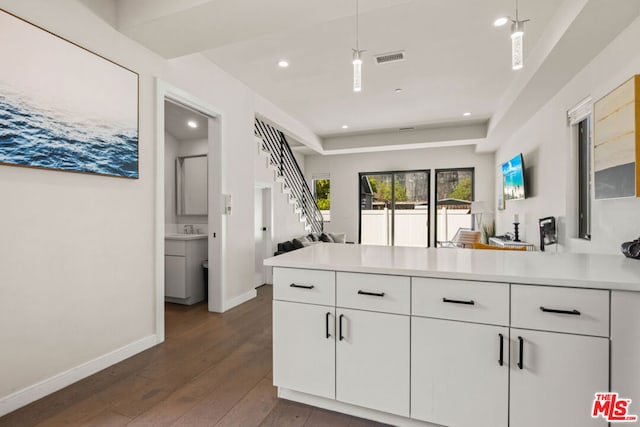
(274, 142)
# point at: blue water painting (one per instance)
(513, 175)
(31, 135)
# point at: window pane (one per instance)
(411, 215)
(375, 209)
(322, 189)
(454, 194)
(584, 180)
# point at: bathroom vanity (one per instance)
(183, 272)
(455, 337)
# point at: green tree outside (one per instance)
(462, 191)
(323, 194)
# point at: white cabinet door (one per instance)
(175, 276)
(304, 348)
(372, 360)
(457, 379)
(556, 383)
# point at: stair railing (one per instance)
(281, 157)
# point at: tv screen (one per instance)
(513, 176)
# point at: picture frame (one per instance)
(63, 106)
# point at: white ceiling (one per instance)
(175, 122)
(456, 61)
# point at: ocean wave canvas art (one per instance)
(63, 107)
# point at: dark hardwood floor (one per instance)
(212, 370)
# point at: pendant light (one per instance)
(357, 58)
(517, 39)
(517, 42)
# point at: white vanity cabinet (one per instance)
(183, 272)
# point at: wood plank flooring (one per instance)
(212, 370)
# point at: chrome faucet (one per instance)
(188, 229)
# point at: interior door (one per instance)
(258, 235)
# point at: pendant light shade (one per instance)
(357, 71)
(517, 39)
(357, 58)
(517, 46)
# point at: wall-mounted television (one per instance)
(513, 179)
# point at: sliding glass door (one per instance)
(454, 194)
(394, 208)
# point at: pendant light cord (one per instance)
(357, 27)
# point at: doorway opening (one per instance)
(262, 234)
(189, 216)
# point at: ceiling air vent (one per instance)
(387, 58)
(407, 128)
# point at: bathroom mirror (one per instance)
(191, 185)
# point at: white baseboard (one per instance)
(228, 305)
(39, 390)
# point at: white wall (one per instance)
(344, 169)
(171, 150)
(550, 159)
(285, 222)
(77, 265)
(76, 253)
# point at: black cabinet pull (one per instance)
(501, 361)
(326, 324)
(374, 294)
(553, 310)
(457, 301)
(521, 356)
(340, 324)
(293, 285)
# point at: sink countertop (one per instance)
(181, 236)
(541, 268)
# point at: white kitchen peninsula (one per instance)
(456, 337)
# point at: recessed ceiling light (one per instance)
(345, 126)
(398, 90)
(283, 64)
(467, 114)
(500, 21)
(192, 124)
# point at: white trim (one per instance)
(216, 262)
(580, 111)
(356, 411)
(37, 391)
(228, 305)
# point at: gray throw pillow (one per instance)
(338, 237)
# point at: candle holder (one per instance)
(516, 237)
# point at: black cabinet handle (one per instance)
(340, 324)
(501, 360)
(374, 294)
(326, 324)
(521, 356)
(457, 301)
(293, 285)
(553, 310)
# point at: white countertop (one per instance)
(179, 236)
(543, 268)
